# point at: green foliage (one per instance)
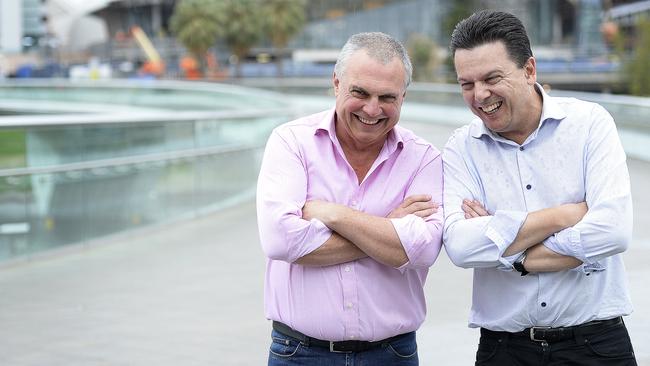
(424, 57)
(197, 25)
(241, 26)
(637, 70)
(460, 10)
(12, 148)
(283, 19)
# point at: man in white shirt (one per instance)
(538, 202)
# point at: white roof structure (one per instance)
(70, 22)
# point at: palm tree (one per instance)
(283, 19)
(196, 24)
(240, 26)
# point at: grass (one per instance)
(12, 148)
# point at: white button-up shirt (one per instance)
(574, 155)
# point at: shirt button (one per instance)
(528, 186)
(349, 305)
(352, 337)
(347, 268)
(543, 304)
(353, 203)
(521, 148)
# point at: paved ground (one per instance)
(190, 293)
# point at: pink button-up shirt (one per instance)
(362, 299)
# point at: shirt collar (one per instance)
(327, 124)
(550, 110)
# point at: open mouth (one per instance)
(368, 121)
(492, 108)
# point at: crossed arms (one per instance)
(300, 222)
(358, 235)
(538, 226)
(561, 236)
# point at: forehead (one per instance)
(367, 72)
(480, 60)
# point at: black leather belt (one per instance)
(548, 334)
(339, 347)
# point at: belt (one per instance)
(548, 334)
(338, 347)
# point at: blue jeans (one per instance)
(288, 351)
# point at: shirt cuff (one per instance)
(506, 262)
(567, 242)
(588, 268)
(502, 231)
(572, 248)
(414, 236)
(317, 234)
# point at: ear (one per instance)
(336, 82)
(530, 70)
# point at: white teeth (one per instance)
(367, 121)
(491, 108)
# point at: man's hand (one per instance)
(570, 214)
(473, 208)
(419, 205)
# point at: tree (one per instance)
(283, 19)
(240, 26)
(197, 25)
(637, 70)
(424, 56)
(460, 9)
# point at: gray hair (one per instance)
(379, 46)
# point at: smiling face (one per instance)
(501, 94)
(369, 97)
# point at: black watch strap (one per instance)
(519, 264)
(519, 267)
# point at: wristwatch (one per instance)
(519, 264)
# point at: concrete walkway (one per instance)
(191, 294)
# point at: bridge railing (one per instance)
(68, 179)
(632, 114)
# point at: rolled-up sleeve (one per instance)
(478, 242)
(606, 229)
(281, 194)
(422, 237)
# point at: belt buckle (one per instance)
(336, 351)
(532, 333)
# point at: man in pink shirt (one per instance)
(349, 218)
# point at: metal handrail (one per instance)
(139, 117)
(129, 160)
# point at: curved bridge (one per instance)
(189, 292)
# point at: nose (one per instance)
(481, 92)
(372, 107)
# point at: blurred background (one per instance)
(131, 134)
(592, 45)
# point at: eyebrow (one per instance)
(488, 75)
(362, 90)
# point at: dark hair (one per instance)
(488, 26)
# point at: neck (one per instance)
(360, 159)
(533, 118)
